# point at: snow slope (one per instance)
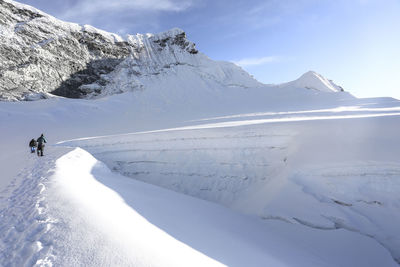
(268, 166)
(340, 171)
(128, 223)
(314, 81)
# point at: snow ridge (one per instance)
(314, 81)
(243, 163)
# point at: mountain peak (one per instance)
(169, 33)
(314, 81)
(310, 73)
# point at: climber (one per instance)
(41, 140)
(32, 145)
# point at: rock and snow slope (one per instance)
(42, 55)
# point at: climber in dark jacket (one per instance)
(32, 145)
(41, 140)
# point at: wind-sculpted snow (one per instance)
(71, 210)
(305, 184)
(325, 169)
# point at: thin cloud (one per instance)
(93, 8)
(246, 62)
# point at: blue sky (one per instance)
(356, 43)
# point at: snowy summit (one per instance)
(314, 81)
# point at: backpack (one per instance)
(32, 143)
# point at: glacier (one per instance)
(169, 158)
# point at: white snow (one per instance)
(315, 81)
(112, 37)
(27, 7)
(196, 163)
(153, 69)
(292, 185)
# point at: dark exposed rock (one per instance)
(71, 87)
(179, 40)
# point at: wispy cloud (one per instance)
(246, 62)
(120, 16)
(92, 9)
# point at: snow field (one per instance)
(268, 173)
(101, 218)
(253, 168)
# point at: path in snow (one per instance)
(26, 225)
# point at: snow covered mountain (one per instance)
(314, 81)
(41, 55)
(178, 160)
(45, 55)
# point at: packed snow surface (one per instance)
(146, 180)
